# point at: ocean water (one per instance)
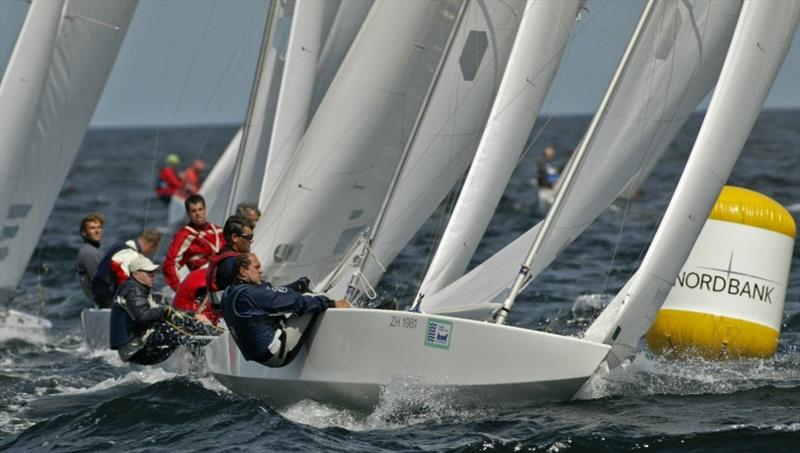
(57, 395)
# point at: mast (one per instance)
(577, 160)
(251, 107)
(352, 290)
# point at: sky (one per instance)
(187, 62)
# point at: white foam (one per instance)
(146, 376)
(793, 207)
(402, 404)
(650, 375)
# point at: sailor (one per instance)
(89, 255)
(256, 313)
(238, 233)
(169, 181)
(192, 175)
(548, 174)
(113, 269)
(142, 330)
(194, 243)
(249, 210)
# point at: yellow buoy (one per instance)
(728, 299)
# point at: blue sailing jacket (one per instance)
(253, 312)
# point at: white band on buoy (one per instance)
(728, 298)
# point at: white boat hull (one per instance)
(350, 356)
(20, 325)
(95, 323)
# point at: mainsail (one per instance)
(86, 44)
(338, 175)
(673, 67)
(448, 134)
(759, 46)
(314, 25)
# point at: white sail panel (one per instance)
(20, 91)
(759, 46)
(532, 66)
(349, 18)
(85, 49)
(672, 70)
(450, 130)
(339, 175)
(292, 111)
(252, 157)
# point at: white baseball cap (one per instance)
(142, 263)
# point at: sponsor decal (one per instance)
(728, 281)
(438, 333)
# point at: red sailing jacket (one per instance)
(192, 292)
(168, 182)
(191, 247)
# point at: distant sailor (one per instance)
(256, 312)
(113, 269)
(89, 255)
(169, 181)
(548, 174)
(142, 330)
(192, 176)
(193, 244)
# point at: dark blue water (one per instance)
(55, 395)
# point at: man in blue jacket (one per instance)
(255, 311)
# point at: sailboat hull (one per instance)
(352, 358)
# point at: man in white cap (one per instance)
(141, 330)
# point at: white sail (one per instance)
(20, 91)
(672, 70)
(215, 188)
(532, 66)
(339, 174)
(349, 18)
(450, 129)
(252, 157)
(86, 45)
(293, 108)
(759, 46)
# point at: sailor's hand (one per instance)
(342, 304)
(302, 285)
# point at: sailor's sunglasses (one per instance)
(247, 237)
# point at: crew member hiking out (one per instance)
(143, 331)
(256, 313)
(193, 244)
(113, 268)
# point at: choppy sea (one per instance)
(57, 395)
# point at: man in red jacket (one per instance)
(193, 244)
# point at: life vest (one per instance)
(104, 282)
(212, 289)
(251, 333)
